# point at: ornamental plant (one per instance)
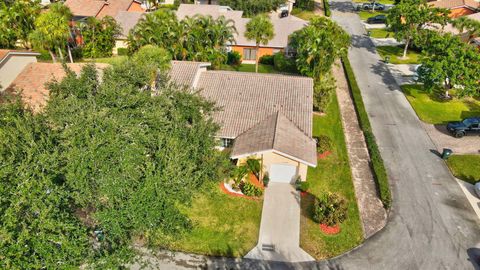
(330, 209)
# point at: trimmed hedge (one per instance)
(326, 7)
(380, 173)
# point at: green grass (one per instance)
(431, 109)
(385, 2)
(331, 175)
(303, 14)
(107, 60)
(365, 14)
(223, 225)
(380, 33)
(465, 167)
(378, 166)
(396, 55)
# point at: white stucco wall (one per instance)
(12, 66)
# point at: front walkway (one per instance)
(372, 213)
(279, 238)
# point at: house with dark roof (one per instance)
(283, 28)
(12, 62)
(457, 8)
(265, 116)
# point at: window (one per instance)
(249, 54)
(226, 142)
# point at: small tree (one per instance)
(52, 30)
(17, 21)
(409, 17)
(259, 29)
(322, 92)
(99, 36)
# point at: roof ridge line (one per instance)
(310, 137)
(275, 129)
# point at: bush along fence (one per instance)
(326, 7)
(380, 173)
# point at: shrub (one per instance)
(254, 166)
(234, 58)
(250, 189)
(326, 7)
(330, 209)
(303, 186)
(266, 179)
(238, 174)
(122, 51)
(380, 173)
(324, 143)
(323, 89)
(284, 64)
(266, 60)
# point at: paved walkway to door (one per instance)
(372, 213)
(279, 238)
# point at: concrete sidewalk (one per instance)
(279, 238)
(372, 213)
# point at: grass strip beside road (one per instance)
(465, 167)
(378, 166)
(396, 55)
(380, 33)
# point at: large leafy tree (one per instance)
(52, 30)
(253, 7)
(318, 46)
(409, 17)
(99, 36)
(259, 29)
(449, 63)
(107, 161)
(17, 20)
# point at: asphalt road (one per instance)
(431, 225)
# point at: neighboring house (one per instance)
(268, 117)
(12, 62)
(457, 8)
(127, 20)
(83, 9)
(449, 28)
(32, 80)
(283, 28)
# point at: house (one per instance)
(82, 9)
(449, 28)
(12, 62)
(266, 116)
(457, 8)
(127, 20)
(283, 28)
(32, 80)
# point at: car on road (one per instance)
(370, 6)
(467, 125)
(377, 19)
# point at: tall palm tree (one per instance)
(259, 29)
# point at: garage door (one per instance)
(282, 173)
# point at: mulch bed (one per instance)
(323, 155)
(254, 181)
(330, 230)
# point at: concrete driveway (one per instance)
(279, 238)
(470, 144)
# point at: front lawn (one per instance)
(396, 55)
(223, 225)
(365, 14)
(465, 167)
(331, 175)
(380, 33)
(303, 14)
(431, 109)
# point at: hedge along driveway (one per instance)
(378, 167)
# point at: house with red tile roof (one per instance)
(12, 62)
(82, 9)
(458, 8)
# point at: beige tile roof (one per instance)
(247, 98)
(88, 8)
(283, 27)
(185, 72)
(127, 20)
(32, 80)
(112, 7)
(276, 133)
(449, 4)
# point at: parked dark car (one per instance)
(377, 19)
(468, 125)
(369, 6)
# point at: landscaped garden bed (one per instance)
(433, 109)
(331, 175)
